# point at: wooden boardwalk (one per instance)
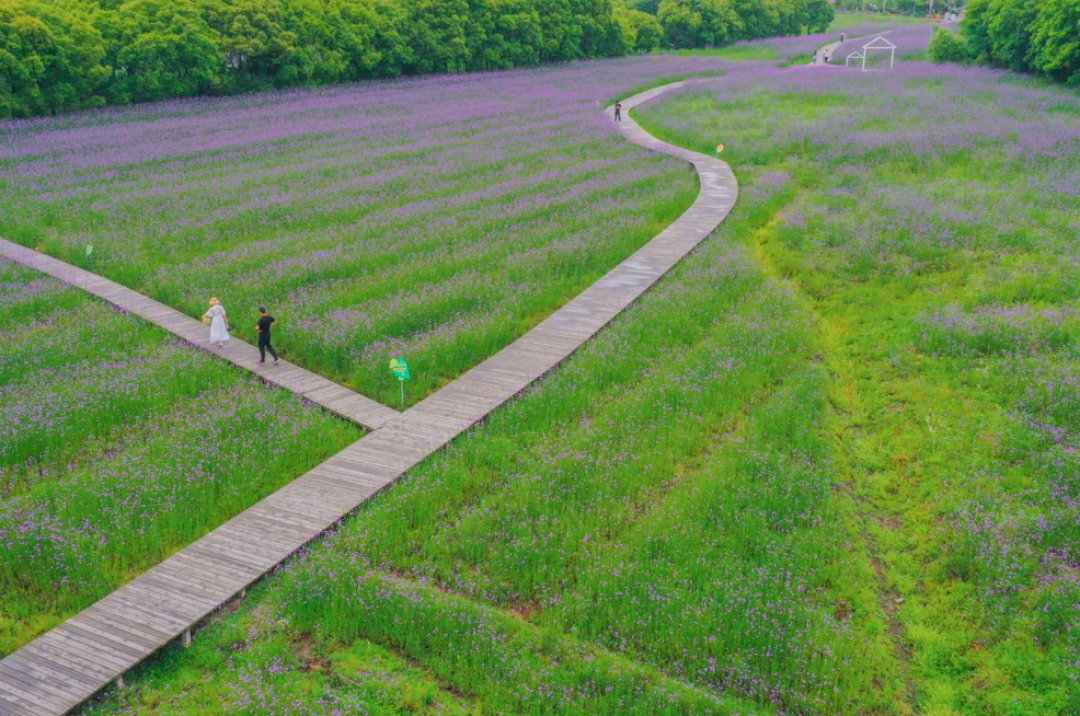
(64, 667)
(335, 398)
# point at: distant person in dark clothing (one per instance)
(843, 36)
(618, 111)
(262, 327)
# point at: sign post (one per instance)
(400, 368)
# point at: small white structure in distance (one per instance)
(878, 45)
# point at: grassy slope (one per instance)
(436, 219)
(845, 20)
(945, 431)
(560, 586)
(512, 554)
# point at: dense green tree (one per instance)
(389, 52)
(703, 23)
(436, 32)
(819, 15)
(1010, 42)
(976, 29)
(160, 49)
(50, 60)
(700, 23)
(1055, 40)
(1026, 35)
(57, 55)
(512, 35)
(641, 31)
(601, 36)
(947, 46)
(757, 18)
(256, 42)
(721, 22)
(681, 23)
(356, 30)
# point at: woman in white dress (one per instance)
(219, 326)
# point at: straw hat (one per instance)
(214, 302)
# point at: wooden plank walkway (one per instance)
(61, 669)
(330, 395)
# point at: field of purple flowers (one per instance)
(931, 224)
(653, 530)
(118, 445)
(827, 467)
(435, 219)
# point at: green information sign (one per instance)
(400, 367)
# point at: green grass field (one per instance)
(826, 466)
(431, 220)
(847, 20)
(931, 238)
(120, 445)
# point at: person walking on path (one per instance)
(843, 36)
(618, 111)
(262, 327)
(219, 323)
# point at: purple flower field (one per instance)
(434, 219)
(826, 467)
(118, 444)
(910, 41)
(931, 226)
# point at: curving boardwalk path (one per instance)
(335, 398)
(64, 667)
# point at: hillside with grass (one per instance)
(827, 465)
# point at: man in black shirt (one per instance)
(262, 327)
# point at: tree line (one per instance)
(1039, 36)
(61, 55)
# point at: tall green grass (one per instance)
(528, 567)
(119, 445)
(930, 231)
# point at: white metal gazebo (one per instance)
(878, 45)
